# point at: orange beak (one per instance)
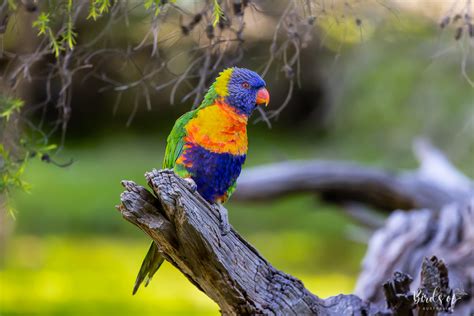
(263, 97)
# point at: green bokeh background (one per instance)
(72, 254)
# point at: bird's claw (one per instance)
(224, 223)
(191, 184)
(225, 228)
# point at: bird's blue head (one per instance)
(242, 89)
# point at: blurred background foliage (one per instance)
(372, 78)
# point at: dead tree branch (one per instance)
(408, 237)
(225, 267)
(434, 185)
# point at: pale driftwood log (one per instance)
(408, 237)
(435, 184)
(343, 181)
(225, 267)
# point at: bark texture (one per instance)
(225, 267)
(408, 237)
(228, 269)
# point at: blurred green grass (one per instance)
(73, 254)
(81, 198)
(56, 275)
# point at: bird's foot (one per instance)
(191, 184)
(224, 224)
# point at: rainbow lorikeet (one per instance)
(209, 144)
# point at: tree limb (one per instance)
(409, 237)
(341, 181)
(434, 185)
(225, 267)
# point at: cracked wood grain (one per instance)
(225, 267)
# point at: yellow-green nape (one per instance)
(222, 81)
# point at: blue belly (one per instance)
(213, 173)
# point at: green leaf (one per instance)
(43, 26)
(70, 36)
(46, 148)
(55, 45)
(8, 106)
(218, 13)
(154, 4)
(93, 12)
(42, 23)
(104, 6)
(97, 8)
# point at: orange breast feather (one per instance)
(218, 128)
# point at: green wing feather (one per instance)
(174, 148)
(175, 141)
(150, 265)
(231, 189)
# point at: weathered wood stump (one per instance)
(228, 269)
(408, 238)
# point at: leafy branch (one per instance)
(64, 39)
(11, 171)
(218, 13)
(43, 25)
(69, 36)
(14, 157)
(97, 8)
(12, 166)
(8, 106)
(156, 5)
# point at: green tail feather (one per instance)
(150, 265)
(175, 143)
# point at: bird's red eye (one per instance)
(246, 85)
